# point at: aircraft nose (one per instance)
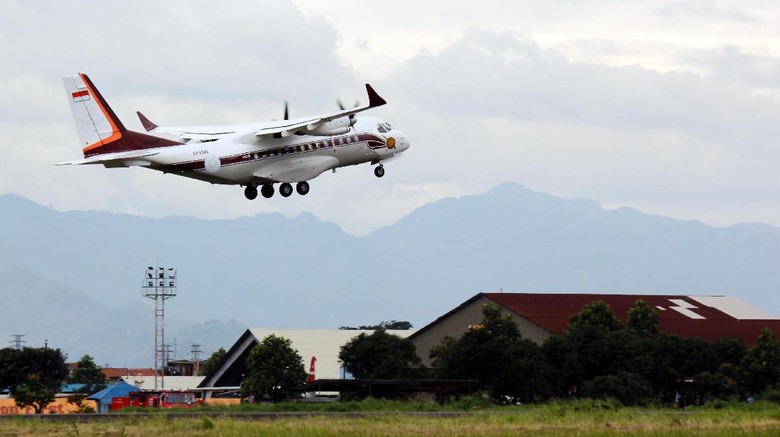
(403, 142)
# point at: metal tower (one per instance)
(159, 284)
(17, 341)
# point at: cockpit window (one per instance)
(381, 128)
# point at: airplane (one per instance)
(250, 155)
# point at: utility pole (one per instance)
(196, 359)
(160, 285)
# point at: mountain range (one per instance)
(74, 278)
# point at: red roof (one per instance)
(114, 373)
(679, 315)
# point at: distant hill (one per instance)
(83, 269)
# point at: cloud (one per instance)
(496, 106)
(551, 101)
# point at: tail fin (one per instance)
(99, 129)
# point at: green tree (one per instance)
(596, 317)
(8, 360)
(212, 362)
(274, 368)
(35, 392)
(379, 355)
(495, 354)
(89, 374)
(391, 324)
(642, 319)
(38, 376)
(760, 368)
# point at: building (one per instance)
(115, 374)
(538, 316)
(169, 382)
(319, 345)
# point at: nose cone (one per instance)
(403, 142)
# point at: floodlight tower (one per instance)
(160, 285)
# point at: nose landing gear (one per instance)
(379, 171)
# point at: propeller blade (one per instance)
(286, 112)
(341, 105)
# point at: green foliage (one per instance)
(760, 367)
(642, 319)
(628, 388)
(212, 362)
(35, 393)
(379, 355)
(596, 318)
(34, 375)
(274, 368)
(391, 324)
(89, 374)
(495, 354)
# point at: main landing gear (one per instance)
(267, 190)
(379, 171)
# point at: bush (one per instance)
(628, 388)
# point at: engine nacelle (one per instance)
(338, 126)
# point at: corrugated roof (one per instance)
(325, 344)
(115, 373)
(687, 316)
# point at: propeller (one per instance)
(286, 112)
(351, 116)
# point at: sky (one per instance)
(670, 107)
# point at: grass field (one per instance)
(577, 418)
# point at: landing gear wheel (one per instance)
(302, 188)
(379, 171)
(285, 189)
(267, 191)
(250, 192)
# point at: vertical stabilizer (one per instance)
(96, 123)
(99, 129)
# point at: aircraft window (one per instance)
(388, 127)
(381, 128)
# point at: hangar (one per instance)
(540, 315)
(322, 344)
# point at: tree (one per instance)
(596, 317)
(89, 374)
(35, 392)
(392, 324)
(642, 319)
(274, 368)
(497, 356)
(760, 368)
(38, 376)
(212, 362)
(379, 356)
(8, 360)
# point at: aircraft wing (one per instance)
(304, 125)
(118, 159)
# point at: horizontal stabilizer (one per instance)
(119, 159)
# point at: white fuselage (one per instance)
(237, 156)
